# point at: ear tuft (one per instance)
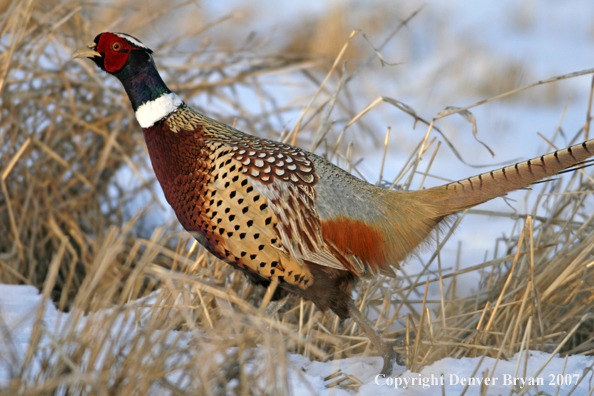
(134, 42)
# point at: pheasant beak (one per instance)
(87, 51)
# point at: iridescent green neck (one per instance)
(141, 79)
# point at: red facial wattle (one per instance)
(115, 51)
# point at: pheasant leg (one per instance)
(385, 349)
(274, 306)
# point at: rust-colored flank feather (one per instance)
(363, 241)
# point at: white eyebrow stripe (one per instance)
(149, 113)
(132, 40)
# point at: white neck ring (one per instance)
(149, 113)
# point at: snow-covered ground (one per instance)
(19, 305)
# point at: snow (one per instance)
(456, 374)
(19, 306)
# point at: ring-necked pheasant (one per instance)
(280, 213)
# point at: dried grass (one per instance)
(65, 133)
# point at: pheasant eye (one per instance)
(116, 46)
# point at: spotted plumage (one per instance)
(279, 213)
(219, 198)
(264, 160)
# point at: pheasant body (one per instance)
(282, 214)
(253, 203)
(215, 181)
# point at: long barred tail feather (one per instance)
(475, 190)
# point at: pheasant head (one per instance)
(126, 58)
